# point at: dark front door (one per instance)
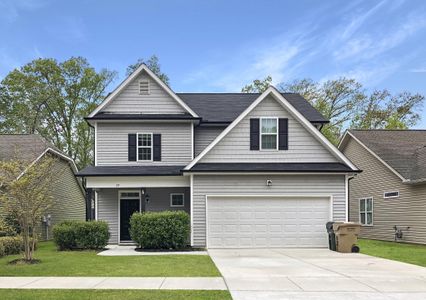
(127, 208)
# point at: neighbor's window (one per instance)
(394, 194)
(145, 146)
(268, 133)
(177, 200)
(366, 211)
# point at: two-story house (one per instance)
(252, 170)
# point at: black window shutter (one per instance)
(283, 134)
(254, 134)
(132, 146)
(157, 147)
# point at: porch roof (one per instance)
(131, 171)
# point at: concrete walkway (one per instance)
(115, 250)
(149, 283)
(317, 274)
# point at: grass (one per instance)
(409, 253)
(87, 263)
(13, 294)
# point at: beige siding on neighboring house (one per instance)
(112, 143)
(235, 146)
(158, 101)
(306, 185)
(203, 136)
(68, 198)
(409, 209)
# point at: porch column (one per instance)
(89, 193)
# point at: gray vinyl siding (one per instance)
(409, 209)
(159, 200)
(68, 198)
(112, 142)
(203, 136)
(158, 101)
(255, 184)
(235, 146)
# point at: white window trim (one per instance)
(365, 211)
(260, 134)
(171, 199)
(137, 146)
(389, 197)
(149, 88)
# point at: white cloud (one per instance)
(418, 70)
(11, 9)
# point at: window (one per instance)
(269, 134)
(366, 211)
(143, 87)
(177, 200)
(145, 146)
(394, 194)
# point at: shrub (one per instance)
(11, 245)
(69, 235)
(6, 229)
(160, 230)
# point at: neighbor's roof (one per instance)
(226, 107)
(272, 167)
(25, 147)
(402, 150)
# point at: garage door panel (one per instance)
(267, 222)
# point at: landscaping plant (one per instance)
(69, 235)
(160, 230)
(26, 194)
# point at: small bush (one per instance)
(11, 245)
(6, 229)
(69, 235)
(160, 230)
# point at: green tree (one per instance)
(257, 86)
(153, 64)
(26, 194)
(52, 98)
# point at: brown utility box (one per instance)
(346, 236)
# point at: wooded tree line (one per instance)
(52, 98)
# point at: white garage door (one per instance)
(252, 222)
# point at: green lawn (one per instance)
(87, 263)
(113, 294)
(409, 253)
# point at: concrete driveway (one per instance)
(316, 274)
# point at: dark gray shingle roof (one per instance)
(131, 171)
(226, 107)
(271, 167)
(25, 147)
(403, 150)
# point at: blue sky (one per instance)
(222, 45)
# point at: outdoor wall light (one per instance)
(268, 182)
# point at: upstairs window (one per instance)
(144, 146)
(269, 134)
(143, 87)
(394, 194)
(366, 211)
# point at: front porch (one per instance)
(116, 198)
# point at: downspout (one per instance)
(348, 206)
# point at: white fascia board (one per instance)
(294, 112)
(347, 134)
(132, 76)
(269, 173)
(136, 181)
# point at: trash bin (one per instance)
(346, 236)
(331, 236)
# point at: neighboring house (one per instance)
(252, 170)
(391, 190)
(68, 193)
